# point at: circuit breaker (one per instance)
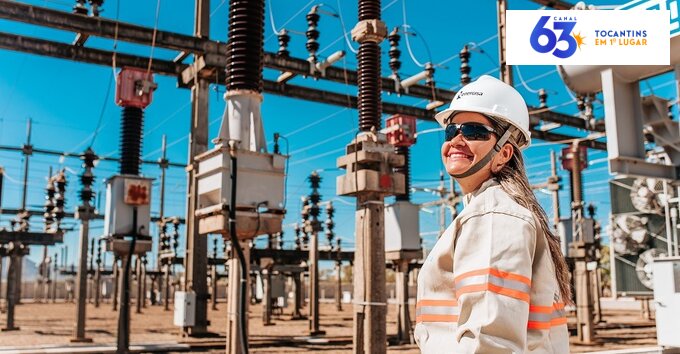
(128, 213)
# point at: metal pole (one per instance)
(234, 345)
(267, 301)
(314, 285)
(27, 151)
(505, 70)
(584, 306)
(196, 264)
(297, 279)
(166, 297)
(56, 279)
(123, 342)
(138, 272)
(403, 318)
(213, 279)
(338, 279)
(116, 283)
(144, 281)
(11, 295)
(81, 286)
(555, 194)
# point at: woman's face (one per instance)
(459, 154)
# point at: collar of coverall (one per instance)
(486, 184)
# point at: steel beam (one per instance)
(214, 52)
(30, 238)
(164, 67)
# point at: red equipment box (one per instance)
(401, 130)
(134, 87)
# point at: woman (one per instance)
(496, 281)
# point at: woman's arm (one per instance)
(492, 262)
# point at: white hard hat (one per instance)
(491, 97)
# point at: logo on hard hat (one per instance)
(546, 40)
(469, 93)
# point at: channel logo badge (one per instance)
(588, 37)
(562, 31)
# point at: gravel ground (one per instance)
(53, 324)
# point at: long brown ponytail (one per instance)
(514, 181)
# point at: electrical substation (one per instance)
(214, 242)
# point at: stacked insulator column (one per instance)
(49, 204)
(312, 33)
(330, 224)
(305, 219)
(79, 7)
(60, 198)
(542, 98)
(313, 227)
(394, 53)
(283, 38)
(298, 238)
(465, 66)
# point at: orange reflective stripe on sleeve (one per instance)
(544, 317)
(491, 279)
(437, 311)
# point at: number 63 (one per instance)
(541, 30)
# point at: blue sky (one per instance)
(65, 100)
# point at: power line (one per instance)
(406, 34)
(303, 8)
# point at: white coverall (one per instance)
(489, 284)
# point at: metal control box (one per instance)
(667, 300)
(402, 230)
(185, 309)
(259, 198)
(565, 231)
(128, 200)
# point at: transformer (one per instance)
(259, 210)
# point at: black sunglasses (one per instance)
(470, 131)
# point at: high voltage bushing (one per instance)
(312, 33)
(283, 38)
(465, 66)
(369, 32)
(304, 213)
(175, 235)
(246, 38)
(134, 92)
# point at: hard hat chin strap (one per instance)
(478, 166)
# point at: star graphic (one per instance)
(579, 39)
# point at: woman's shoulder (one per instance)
(495, 200)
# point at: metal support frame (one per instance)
(196, 264)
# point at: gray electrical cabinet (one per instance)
(667, 300)
(402, 228)
(128, 213)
